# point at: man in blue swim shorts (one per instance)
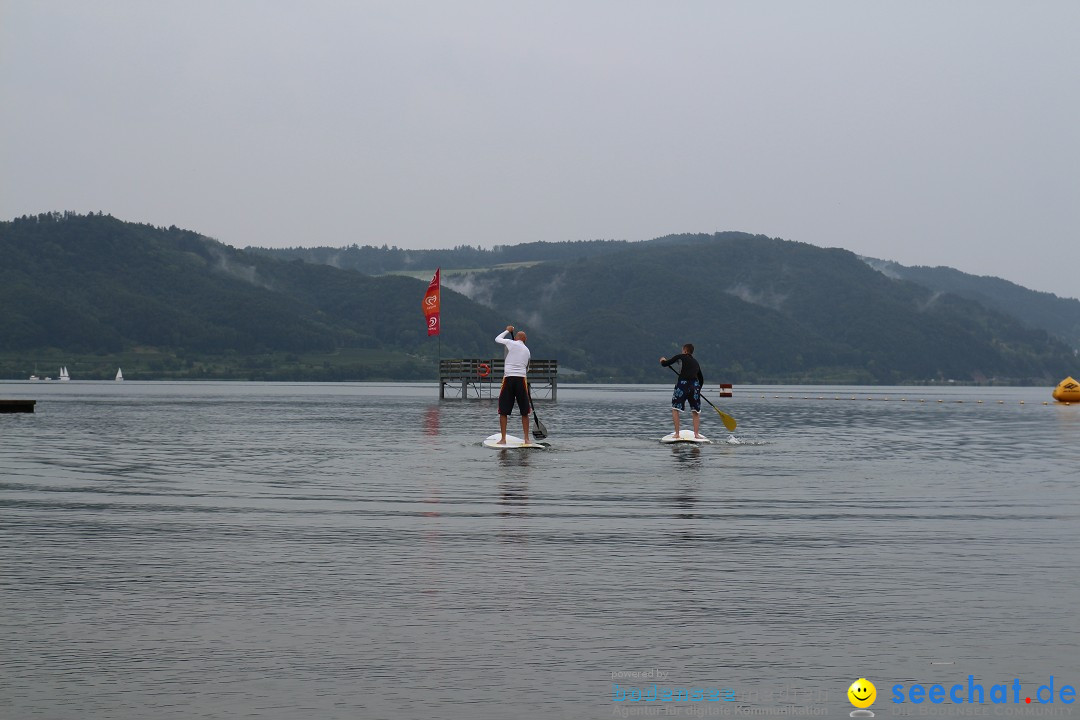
(687, 387)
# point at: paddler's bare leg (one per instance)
(525, 427)
(697, 423)
(675, 417)
(502, 429)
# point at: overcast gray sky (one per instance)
(926, 132)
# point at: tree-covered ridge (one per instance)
(765, 308)
(1057, 315)
(89, 291)
(96, 285)
(373, 260)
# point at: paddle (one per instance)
(539, 431)
(729, 422)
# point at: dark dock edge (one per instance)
(17, 406)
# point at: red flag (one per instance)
(432, 300)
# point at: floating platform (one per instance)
(481, 377)
(17, 406)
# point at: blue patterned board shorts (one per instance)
(687, 390)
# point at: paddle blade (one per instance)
(729, 422)
(539, 431)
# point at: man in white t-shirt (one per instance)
(514, 385)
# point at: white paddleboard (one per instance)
(684, 436)
(512, 442)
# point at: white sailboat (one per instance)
(64, 377)
(119, 374)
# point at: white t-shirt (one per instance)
(517, 356)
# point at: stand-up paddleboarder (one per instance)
(514, 387)
(687, 387)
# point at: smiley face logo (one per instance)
(862, 693)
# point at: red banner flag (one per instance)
(432, 301)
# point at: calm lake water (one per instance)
(244, 550)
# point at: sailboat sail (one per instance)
(119, 374)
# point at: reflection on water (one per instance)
(431, 420)
(685, 499)
(513, 495)
(686, 455)
(515, 458)
(278, 551)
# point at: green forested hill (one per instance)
(93, 293)
(761, 309)
(1057, 315)
(381, 260)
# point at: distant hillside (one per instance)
(382, 260)
(94, 293)
(762, 309)
(1059, 316)
(177, 304)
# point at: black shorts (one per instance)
(513, 388)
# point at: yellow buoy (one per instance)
(1068, 390)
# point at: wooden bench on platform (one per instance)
(478, 378)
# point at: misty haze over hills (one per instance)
(93, 291)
